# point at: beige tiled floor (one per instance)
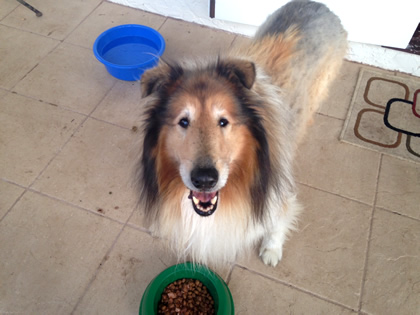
(71, 239)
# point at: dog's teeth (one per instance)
(209, 208)
(214, 200)
(195, 200)
(199, 205)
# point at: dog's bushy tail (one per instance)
(316, 43)
(319, 29)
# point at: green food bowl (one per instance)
(223, 302)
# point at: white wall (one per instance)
(378, 22)
(197, 11)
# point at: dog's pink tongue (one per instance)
(204, 196)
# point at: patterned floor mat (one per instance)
(385, 115)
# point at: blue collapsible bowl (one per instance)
(128, 50)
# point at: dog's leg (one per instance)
(271, 250)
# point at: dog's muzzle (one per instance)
(204, 200)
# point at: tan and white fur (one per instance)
(220, 135)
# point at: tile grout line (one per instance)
(330, 116)
(358, 201)
(229, 275)
(59, 41)
(13, 10)
(16, 201)
(73, 205)
(101, 100)
(70, 138)
(93, 278)
(101, 264)
(30, 32)
(397, 213)
(61, 107)
(163, 23)
(103, 261)
(365, 265)
(11, 90)
(334, 194)
(84, 19)
(113, 124)
(58, 152)
(291, 286)
(29, 187)
(69, 109)
(138, 228)
(83, 121)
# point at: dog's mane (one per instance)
(162, 88)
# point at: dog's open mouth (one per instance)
(204, 203)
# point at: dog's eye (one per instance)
(223, 122)
(184, 123)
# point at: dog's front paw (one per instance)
(271, 256)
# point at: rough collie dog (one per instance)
(220, 136)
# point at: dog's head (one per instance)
(201, 133)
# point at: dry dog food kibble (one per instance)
(187, 297)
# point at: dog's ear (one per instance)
(160, 77)
(153, 79)
(238, 71)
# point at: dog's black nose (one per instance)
(204, 178)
